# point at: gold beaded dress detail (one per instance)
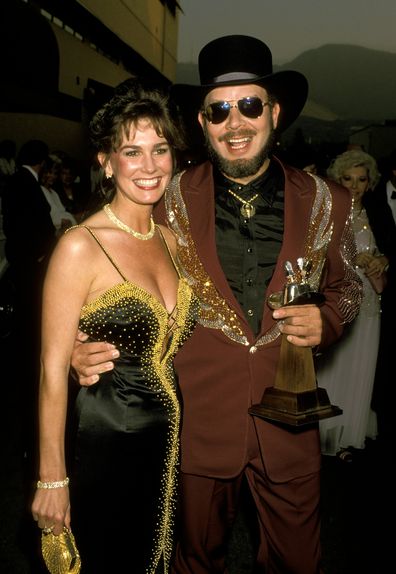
(126, 446)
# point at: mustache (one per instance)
(230, 135)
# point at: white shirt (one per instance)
(58, 211)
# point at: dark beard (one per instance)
(240, 168)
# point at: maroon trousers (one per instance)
(287, 515)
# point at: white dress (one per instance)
(347, 370)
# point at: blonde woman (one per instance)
(347, 371)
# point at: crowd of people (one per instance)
(33, 217)
(158, 302)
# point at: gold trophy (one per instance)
(295, 399)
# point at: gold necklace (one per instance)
(124, 227)
(247, 209)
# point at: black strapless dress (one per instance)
(126, 444)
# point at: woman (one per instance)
(61, 218)
(115, 277)
(348, 370)
(72, 193)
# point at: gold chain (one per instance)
(124, 227)
(247, 209)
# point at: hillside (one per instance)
(346, 82)
(351, 81)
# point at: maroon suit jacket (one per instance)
(223, 370)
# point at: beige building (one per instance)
(63, 56)
(60, 59)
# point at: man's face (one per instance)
(239, 145)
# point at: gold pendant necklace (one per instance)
(124, 227)
(247, 209)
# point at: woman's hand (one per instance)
(376, 266)
(363, 259)
(51, 509)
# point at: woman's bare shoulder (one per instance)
(77, 242)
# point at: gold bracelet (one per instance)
(54, 484)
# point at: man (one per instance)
(382, 206)
(26, 215)
(239, 217)
(390, 183)
(29, 238)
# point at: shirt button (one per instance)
(253, 349)
(250, 312)
(249, 250)
(249, 281)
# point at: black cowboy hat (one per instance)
(237, 60)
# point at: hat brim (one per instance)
(290, 88)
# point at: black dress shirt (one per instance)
(248, 248)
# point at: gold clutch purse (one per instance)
(60, 553)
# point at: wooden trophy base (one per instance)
(295, 399)
(295, 409)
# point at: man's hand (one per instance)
(89, 360)
(301, 323)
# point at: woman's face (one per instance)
(142, 166)
(49, 177)
(357, 180)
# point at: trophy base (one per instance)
(295, 409)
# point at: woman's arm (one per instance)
(67, 284)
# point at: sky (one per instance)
(289, 27)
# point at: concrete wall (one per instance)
(147, 26)
(79, 61)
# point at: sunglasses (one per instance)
(218, 112)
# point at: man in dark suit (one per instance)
(30, 236)
(26, 214)
(381, 210)
(239, 218)
(389, 182)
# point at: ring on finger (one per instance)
(48, 529)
